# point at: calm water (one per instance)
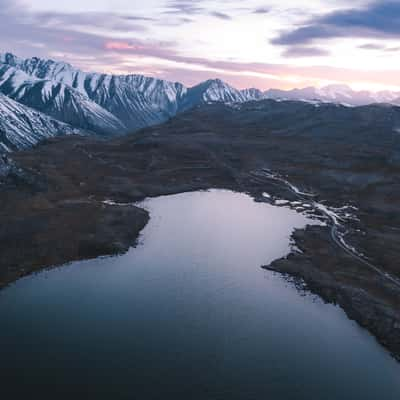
(188, 314)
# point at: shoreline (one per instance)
(89, 230)
(116, 237)
(330, 275)
(46, 194)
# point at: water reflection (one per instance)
(188, 314)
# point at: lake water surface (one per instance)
(188, 314)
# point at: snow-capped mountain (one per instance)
(342, 94)
(118, 104)
(56, 88)
(137, 101)
(120, 96)
(22, 127)
(252, 94)
(58, 101)
(211, 91)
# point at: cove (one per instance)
(188, 314)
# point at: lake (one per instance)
(188, 314)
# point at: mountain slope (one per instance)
(136, 100)
(252, 94)
(159, 92)
(119, 95)
(58, 101)
(22, 127)
(212, 91)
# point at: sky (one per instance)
(248, 43)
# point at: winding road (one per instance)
(336, 235)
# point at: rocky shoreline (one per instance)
(337, 279)
(70, 232)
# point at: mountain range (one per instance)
(43, 98)
(341, 94)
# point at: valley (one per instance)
(62, 198)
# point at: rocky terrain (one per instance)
(54, 204)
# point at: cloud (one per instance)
(136, 18)
(262, 10)
(304, 51)
(372, 46)
(174, 66)
(22, 31)
(183, 7)
(392, 49)
(304, 35)
(380, 19)
(220, 15)
(119, 45)
(91, 20)
(49, 36)
(378, 46)
(93, 41)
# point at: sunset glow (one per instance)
(280, 44)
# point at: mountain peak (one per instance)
(212, 91)
(9, 58)
(216, 82)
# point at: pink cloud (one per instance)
(121, 46)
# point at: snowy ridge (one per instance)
(122, 96)
(135, 100)
(166, 95)
(58, 101)
(118, 104)
(159, 92)
(22, 127)
(211, 91)
(341, 94)
(252, 94)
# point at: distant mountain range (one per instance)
(44, 98)
(341, 94)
